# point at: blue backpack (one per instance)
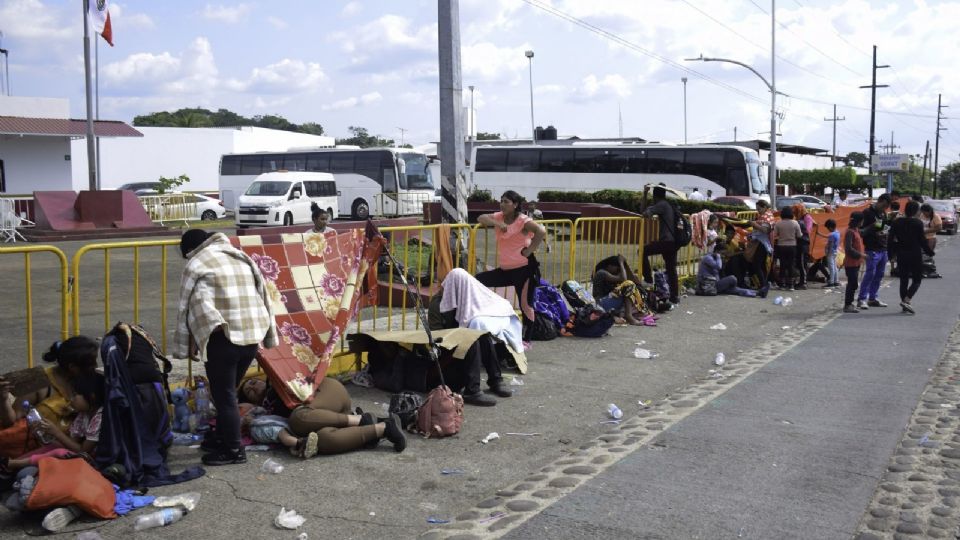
(548, 301)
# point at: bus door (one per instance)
(389, 205)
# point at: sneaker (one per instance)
(225, 457)
(850, 308)
(801, 287)
(876, 302)
(762, 293)
(394, 433)
(499, 388)
(479, 399)
(57, 519)
(862, 304)
(306, 447)
(907, 308)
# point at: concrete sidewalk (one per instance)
(794, 451)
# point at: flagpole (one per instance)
(91, 145)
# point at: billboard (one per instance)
(890, 162)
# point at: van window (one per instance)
(268, 188)
(321, 188)
(296, 187)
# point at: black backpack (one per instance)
(405, 405)
(542, 328)
(683, 231)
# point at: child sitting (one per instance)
(272, 429)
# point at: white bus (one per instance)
(528, 170)
(370, 181)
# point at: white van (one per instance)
(284, 198)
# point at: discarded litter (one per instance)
(490, 437)
(523, 434)
(516, 381)
(436, 520)
(924, 439)
(452, 471)
(778, 300)
(428, 506)
(271, 466)
(787, 301)
(641, 342)
(716, 374)
(720, 359)
(372, 514)
(288, 519)
(186, 439)
(610, 422)
(187, 500)
(602, 351)
(160, 518)
(302, 536)
(644, 354)
(493, 516)
(614, 411)
(689, 313)
(719, 326)
(257, 447)
(88, 535)
(784, 327)
(644, 402)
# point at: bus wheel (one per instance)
(287, 219)
(330, 213)
(361, 210)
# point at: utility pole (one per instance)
(453, 203)
(833, 160)
(936, 152)
(402, 131)
(684, 81)
(94, 185)
(873, 105)
(734, 133)
(923, 172)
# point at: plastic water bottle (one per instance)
(201, 402)
(720, 359)
(160, 518)
(787, 301)
(614, 411)
(778, 300)
(271, 466)
(186, 439)
(33, 422)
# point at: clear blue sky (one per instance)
(373, 64)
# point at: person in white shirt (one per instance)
(696, 195)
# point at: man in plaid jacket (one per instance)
(224, 314)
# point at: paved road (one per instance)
(794, 451)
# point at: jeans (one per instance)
(226, 364)
(876, 263)
(832, 267)
(728, 285)
(853, 275)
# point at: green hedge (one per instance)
(627, 200)
(843, 177)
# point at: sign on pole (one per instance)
(891, 162)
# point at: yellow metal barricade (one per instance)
(751, 215)
(595, 239)
(27, 252)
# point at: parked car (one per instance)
(810, 201)
(783, 202)
(740, 201)
(177, 205)
(948, 214)
(141, 188)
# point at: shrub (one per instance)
(817, 179)
(480, 195)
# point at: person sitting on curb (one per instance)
(709, 282)
(462, 301)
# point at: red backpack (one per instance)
(441, 414)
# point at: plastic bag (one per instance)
(187, 500)
(288, 519)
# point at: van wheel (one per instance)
(208, 215)
(361, 210)
(287, 219)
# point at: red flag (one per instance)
(99, 14)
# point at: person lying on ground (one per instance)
(267, 428)
(616, 290)
(464, 302)
(329, 417)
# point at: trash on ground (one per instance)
(610, 422)
(614, 411)
(436, 520)
(160, 518)
(644, 402)
(925, 438)
(720, 359)
(288, 519)
(602, 351)
(428, 506)
(644, 354)
(372, 514)
(493, 516)
(271, 466)
(719, 326)
(716, 374)
(491, 437)
(785, 327)
(187, 500)
(302, 536)
(787, 301)
(516, 381)
(641, 342)
(257, 447)
(689, 313)
(186, 439)
(452, 471)
(524, 434)
(778, 300)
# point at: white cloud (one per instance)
(194, 71)
(487, 62)
(351, 102)
(226, 14)
(285, 76)
(277, 22)
(387, 43)
(119, 18)
(261, 103)
(351, 9)
(613, 86)
(31, 19)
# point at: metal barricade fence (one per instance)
(595, 239)
(63, 278)
(751, 215)
(170, 206)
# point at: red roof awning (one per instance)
(64, 127)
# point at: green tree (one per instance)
(362, 138)
(856, 159)
(484, 136)
(199, 117)
(948, 184)
(312, 128)
(170, 184)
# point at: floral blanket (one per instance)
(315, 282)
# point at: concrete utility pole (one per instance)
(533, 130)
(873, 106)
(923, 172)
(833, 161)
(94, 185)
(684, 81)
(936, 152)
(402, 131)
(453, 202)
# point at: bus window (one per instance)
(588, 161)
(251, 165)
(668, 161)
(294, 162)
(318, 163)
(523, 160)
(635, 160)
(491, 160)
(707, 164)
(369, 164)
(341, 162)
(556, 160)
(230, 165)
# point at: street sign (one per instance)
(891, 162)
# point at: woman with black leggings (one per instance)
(908, 243)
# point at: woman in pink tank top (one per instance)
(518, 238)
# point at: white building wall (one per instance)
(35, 163)
(170, 152)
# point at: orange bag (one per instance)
(62, 482)
(16, 440)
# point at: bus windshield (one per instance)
(754, 170)
(418, 177)
(268, 188)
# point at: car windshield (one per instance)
(268, 188)
(418, 177)
(943, 206)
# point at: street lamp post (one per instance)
(473, 117)
(684, 81)
(533, 130)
